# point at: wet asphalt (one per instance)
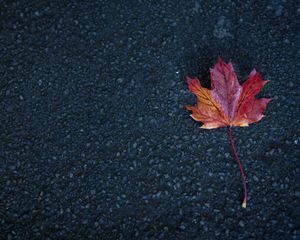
(95, 142)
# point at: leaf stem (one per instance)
(243, 175)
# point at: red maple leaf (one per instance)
(228, 103)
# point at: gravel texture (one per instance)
(95, 140)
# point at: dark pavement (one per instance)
(95, 142)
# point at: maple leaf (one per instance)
(228, 103)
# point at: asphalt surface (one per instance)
(95, 140)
